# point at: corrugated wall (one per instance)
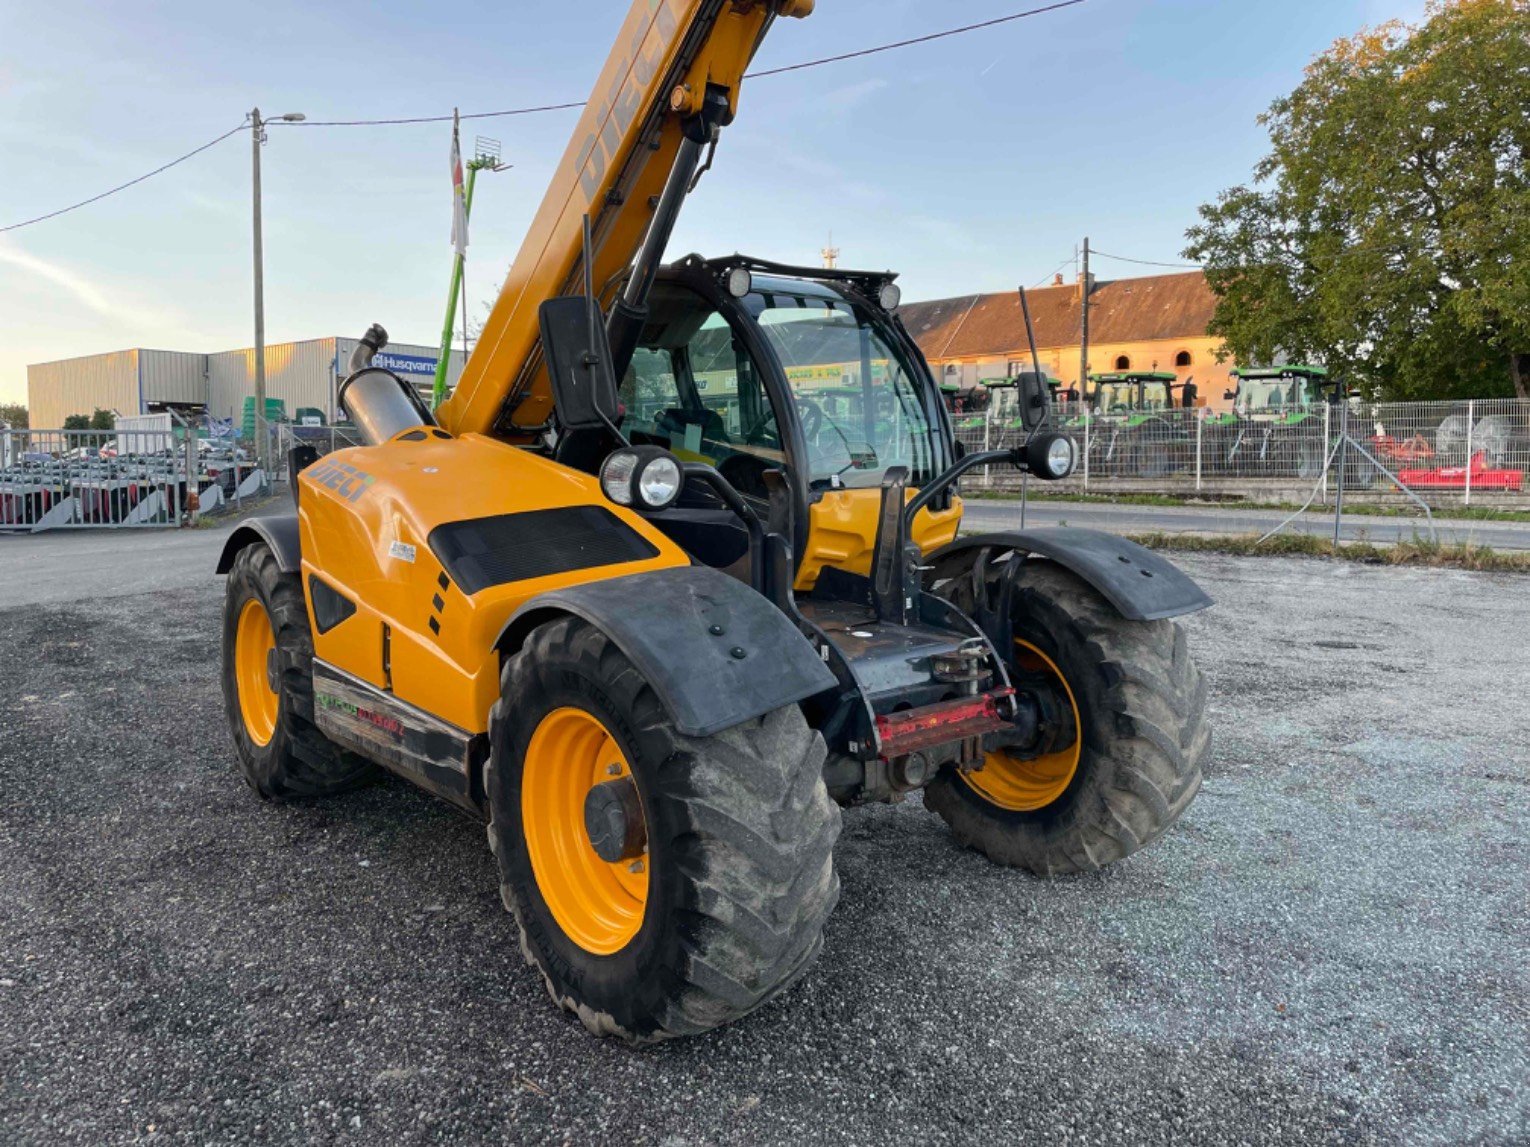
(56, 390)
(300, 374)
(173, 376)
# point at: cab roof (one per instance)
(1296, 370)
(1136, 376)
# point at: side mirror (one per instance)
(1035, 398)
(578, 362)
(1191, 393)
(1230, 395)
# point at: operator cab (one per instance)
(793, 389)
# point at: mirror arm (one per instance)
(934, 489)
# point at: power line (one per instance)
(1145, 262)
(122, 186)
(916, 40)
(432, 118)
(751, 75)
(1050, 275)
(402, 120)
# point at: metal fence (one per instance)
(1442, 453)
(62, 479)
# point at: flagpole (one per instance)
(485, 156)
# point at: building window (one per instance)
(1182, 358)
(1123, 362)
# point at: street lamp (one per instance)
(257, 137)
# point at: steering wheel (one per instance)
(812, 417)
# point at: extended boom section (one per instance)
(672, 80)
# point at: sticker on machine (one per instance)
(403, 551)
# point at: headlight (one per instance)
(740, 282)
(1051, 456)
(890, 296)
(616, 476)
(659, 482)
(644, 477)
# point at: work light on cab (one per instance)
(644, 477)
(1051, 456)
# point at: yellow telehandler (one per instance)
(675, 573)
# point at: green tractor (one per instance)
(1134, 433)
(1002, 408)
(1275, 426)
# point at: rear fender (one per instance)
(278, 531)
(1140, 584)
(716, 652)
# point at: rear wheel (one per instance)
(1140, 706)
(268, 686)
(663, 884)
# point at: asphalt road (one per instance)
(985, 514)
(1329, 948)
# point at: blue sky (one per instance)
(975, 163)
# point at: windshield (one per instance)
(861, 403)
(1116, 397)
(1271, 393)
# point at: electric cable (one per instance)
(1144, 262)
(124, 186)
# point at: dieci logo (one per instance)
(347, 481)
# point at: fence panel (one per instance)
(70, 479)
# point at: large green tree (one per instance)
(1387, 233)
(14, 414)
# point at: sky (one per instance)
(975, 163)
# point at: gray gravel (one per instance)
(1330, 948)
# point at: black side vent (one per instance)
(330, 607)
(518, 547)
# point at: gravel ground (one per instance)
(1330, 948)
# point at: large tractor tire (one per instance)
(1140, 706)
(663, 884)
(268, 686)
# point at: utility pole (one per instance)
(830, 254)
(257, 131)
(1083, 353)
(258, 137)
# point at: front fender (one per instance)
(716, 652)
(279, 531)
(1140, 584)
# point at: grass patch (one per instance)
(1482, 559)
(1359, 510)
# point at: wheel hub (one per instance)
(613, 820)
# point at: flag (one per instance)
(459, 193)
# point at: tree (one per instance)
(1387, 233)
(102, 420)
(14, 415)
(77, 422)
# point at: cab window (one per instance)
(693, 389)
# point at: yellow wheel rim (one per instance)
(254, 642)
(1026, 785)
(598, 904)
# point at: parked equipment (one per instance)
(654, 610)
(1133, 432)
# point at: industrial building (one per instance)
(302, 375)
(1158, 322)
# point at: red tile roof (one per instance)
(1121, 311)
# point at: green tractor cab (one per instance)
(1275, 424)
(1135, 434)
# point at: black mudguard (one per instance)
(279, 531)
(716, 652)
(1139, 583)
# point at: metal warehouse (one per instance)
(302, 375)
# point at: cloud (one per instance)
(850, 96)
(85, 291)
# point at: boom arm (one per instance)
(671, 82)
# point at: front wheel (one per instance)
(268, 686)
(1140, 708)
(663, 884)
